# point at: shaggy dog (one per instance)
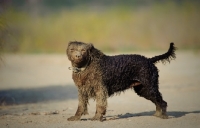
(99, 76)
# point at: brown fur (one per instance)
(88, 83)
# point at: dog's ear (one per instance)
(68, 48)
(70, 43)
(93, 52)
(90, 46)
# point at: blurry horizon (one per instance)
(46, 26)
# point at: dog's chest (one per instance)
(87, 83)
(86, 79)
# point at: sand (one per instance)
(38, 91)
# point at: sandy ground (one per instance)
(37, 91)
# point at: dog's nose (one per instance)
(78, 55)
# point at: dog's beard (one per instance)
(79, 63)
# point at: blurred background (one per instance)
(31, 27)
(46, 26)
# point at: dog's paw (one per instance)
(97, 118)
(162, 116)
(157, 114)
(74, 118)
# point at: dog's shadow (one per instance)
(37, 95)
(171, 114)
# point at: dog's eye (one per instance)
(71, 50)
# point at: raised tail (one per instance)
(166, 57)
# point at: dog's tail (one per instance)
(166, 57)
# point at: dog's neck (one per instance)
(79, 69)
(76, 70)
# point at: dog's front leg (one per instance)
(101, 105)
(82, 108)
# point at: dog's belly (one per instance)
(120, 85)
(116, 82)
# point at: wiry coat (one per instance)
(99, 76)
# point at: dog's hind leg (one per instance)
(149, 90)
(156, 97)
(161, 105)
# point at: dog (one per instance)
(100, 76)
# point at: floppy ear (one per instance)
(90, 46)
(93, 52)
(70, 43)
(68, 48)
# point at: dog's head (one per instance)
(78, 53)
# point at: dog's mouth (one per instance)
(79, 63)
(78, 60)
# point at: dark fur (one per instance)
(105, 75)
